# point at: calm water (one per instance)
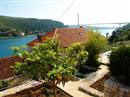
(104, 31)
(6, 44)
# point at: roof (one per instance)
(44, 37)
(5, 66)
(66, 36)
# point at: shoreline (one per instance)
(16, 37)
(7, 43)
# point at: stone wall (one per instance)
(5, 67)
(32, 88)
(33, 91)
(112, 88)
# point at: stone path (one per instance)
(73, 87)
(86, 83)
(70, 87)
(104, 57)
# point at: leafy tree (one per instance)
(107, 35)
(120, 34)
(50, 62)
(113, 37)
(95, 44)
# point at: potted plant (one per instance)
(119, 83)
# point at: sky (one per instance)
(90, 11)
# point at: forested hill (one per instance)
(27, 25)
(121, 34)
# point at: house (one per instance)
(66, 36)
(5, 66)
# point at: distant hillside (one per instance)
(14, 25)
(120, 34)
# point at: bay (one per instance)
(104, 31)
(7, 43)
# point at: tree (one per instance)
(120, 34)
(107, 35)
(27, 25)
(50, 62)
(120, 64)
(95, 44)
(113, 37)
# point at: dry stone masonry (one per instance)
(112, 88)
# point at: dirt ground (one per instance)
(99, 85)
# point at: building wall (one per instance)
(5, 67)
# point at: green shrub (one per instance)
(120, 64)
(95, 44)
(48, 61)
(3, 84)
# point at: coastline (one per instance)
(16, 37)
(7, 43)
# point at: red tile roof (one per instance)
(66, 36)
(5, 66)
(44, 37)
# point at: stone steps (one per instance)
(85, 84)
(72, 88)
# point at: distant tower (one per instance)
(78, 20)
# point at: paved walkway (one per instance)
(73, 87)
(83, 84)
(104, 57)
(92, 78)
(70, 87)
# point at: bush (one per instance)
(3, 84)
(94, 46)
(48, 61)
(120, 64)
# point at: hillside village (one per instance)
(67, 62)
(64, 48)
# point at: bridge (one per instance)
(119, 23)
(103, 25)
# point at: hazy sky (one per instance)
(90, 11)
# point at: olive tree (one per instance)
(50, 62)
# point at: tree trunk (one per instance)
(54, 88)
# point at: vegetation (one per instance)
(50, 62)
(120, 64)
(94, 46)
(120, 34)
(3, 84)
(14, 26)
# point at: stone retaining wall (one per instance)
(24, 90)
(32, 92)
(88, 85)
(112, 88)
